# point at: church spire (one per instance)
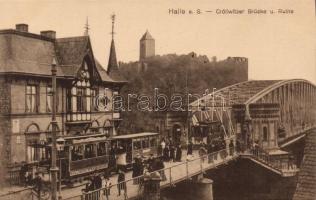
(112, 65)
(86, 28)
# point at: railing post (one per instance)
(201, 163)
(170, 177)
(187, 168)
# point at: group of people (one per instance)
(93, 187)
(170, 151)
(213, 146)
(140, 167)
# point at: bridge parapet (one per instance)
(280, 162)
(134, 187)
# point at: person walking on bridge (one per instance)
(178, 153)
(121, 183)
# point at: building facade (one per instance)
(84, 92)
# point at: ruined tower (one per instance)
(147, 46)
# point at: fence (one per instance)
(133, 188)
(282, 163)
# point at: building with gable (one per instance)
(84, 95)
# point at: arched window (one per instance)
(32, 128)
(95, 127)
(265, 133)
(35, 143)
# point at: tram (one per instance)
(80, 158)
(135, 145)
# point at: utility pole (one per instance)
(54, 168)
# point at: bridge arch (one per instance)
(273, 110)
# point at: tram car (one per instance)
(134, 145)
(83, 157)
(80, 158)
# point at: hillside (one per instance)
(174, 74)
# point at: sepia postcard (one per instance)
(157, 100)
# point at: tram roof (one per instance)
(136, 135)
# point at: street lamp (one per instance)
(54, 169)
(60, 147)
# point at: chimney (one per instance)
(49, 34)
(22, 27)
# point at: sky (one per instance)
(278, 46)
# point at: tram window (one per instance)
(77, 153)
(153, 142)
(137, 145)
(145, 143)
(89, 151)
(101, 150)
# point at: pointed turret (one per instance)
(112, 65)
(113, 69)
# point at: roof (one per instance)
(89, 140)
(113, 70)
(134, 135)
(31, 54)
(20, 54)
(147, 36)
(306, 186)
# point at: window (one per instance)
(137, 144)
(89, 151)
(265, 134)
(101, 150)
(77, 153)
(94, 94)
(80, 99)
(145, 143)
(68, 100)
(31, 99)
(49, 99)
(153, 142)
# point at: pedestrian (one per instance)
(163, 146)
(121, 182)
(112, 159)
(151, 162)
(137, 170)
(166, 153)
(231, 148)
(88, 188)
(172, 153)
(38, 183)
(238, 146)
(22, 174)
(107, 188)
(97, 186)
(178, 153)
(161, 167)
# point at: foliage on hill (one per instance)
(175, 74)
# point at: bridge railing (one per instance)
(133, 187)
(282, 163)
